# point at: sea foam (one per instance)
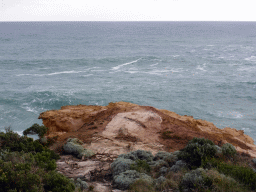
(119, 66)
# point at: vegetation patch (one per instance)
(245, 175)
(169, 135)
(197, 150)
(27, 165)
(36, 129)
(141, 166)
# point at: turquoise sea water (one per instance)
(203, 69)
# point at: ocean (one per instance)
(202, 69)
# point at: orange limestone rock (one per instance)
(122, 127)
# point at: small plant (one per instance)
(141, 186)
(197, 151)
(36, 129)
(167, 134)
(244, 175)
(141, 166)
(222, 182)
(228, 150)
(91, 188)
(51, 140)
(26, 165)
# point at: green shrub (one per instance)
(44, 160)
(228, 150)
(167, 157)
(138, 155)
(74, 146)
(20, 176)
(13, 142)
(125, 179)
(36, 129)
(141, 166)
(195, 179)
(26, 165)
(197, 150)
(56, 182)
(141, 185)
(222, 182)
(157, 165)
(244, 175)
(121, 165)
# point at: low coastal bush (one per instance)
(27, 165)
(245, 175)
(200, 166)
(141, 166)
(74, 146)
(196, 151)
(228, 150)
(141, 185)
(36, 129)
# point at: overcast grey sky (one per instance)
(127, 10)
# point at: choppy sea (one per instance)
(203, 69)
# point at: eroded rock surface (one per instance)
(122, 127)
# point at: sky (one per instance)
(127, 10)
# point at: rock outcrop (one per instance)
(123, 127)
(102, 133)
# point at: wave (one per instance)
(249, 69)
(154, 64)
(56, 73)
(252, 58)
(98, 70)
(132, 72)
(201, 68)
(158, 72)
(49, 74)
(246, 129)
(229, 114)
(87, 75)
(118, 66)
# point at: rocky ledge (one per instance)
(123, 127)
(97, 135)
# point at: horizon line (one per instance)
(134, 21)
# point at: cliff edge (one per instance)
(122, 127)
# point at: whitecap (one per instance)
(118, 66)
(229, 114)
(132, 72)
(157, 72)
(154, 64)
(210, 45)
(86, 75)
(249, 69)
(246, 129)
(252, 58)
(175, 55)
(29, 109)
(49, 74)
(98, 70)
(234, 114)
(19, 132)
(239, 115)
(56, 73)
(200, 68)
(65, 72)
